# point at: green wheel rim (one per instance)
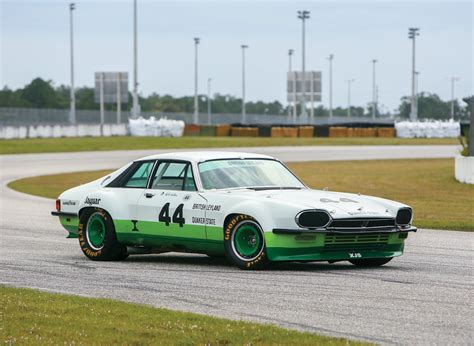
(96, 231)
(248, 241)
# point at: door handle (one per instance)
(149, 195)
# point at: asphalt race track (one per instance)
(423, 297)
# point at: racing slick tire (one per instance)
(97, 236)
(244, 243)
(370, 262)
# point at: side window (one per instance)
(173, 176)
(189, 184)
(140, 177)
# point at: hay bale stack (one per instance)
(337, 131)
(276, 132)
(386, 132)
(244, 132)
(208, 130)
(305, 131)
(192, 130)
(222, 130)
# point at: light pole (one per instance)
(349, 83)
(374, 91)
(290, 69)
(72, 112)
(412, 33)
(209, 80)
(330, 58)
(196, 101)
(244, 115)
(417, 78)
(453, 80)
(135, 105)
(303, 15)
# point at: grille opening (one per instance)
(313, 219)
(355, 242)
(362, 223)
(404, 216)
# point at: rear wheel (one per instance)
(370, 262)
(244, 243)
(97, 236)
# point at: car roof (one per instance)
(200, 156)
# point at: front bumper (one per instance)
(296, 231)
(333, 246)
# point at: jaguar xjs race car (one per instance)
(250, 208)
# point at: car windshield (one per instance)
(247, 173)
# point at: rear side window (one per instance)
(139, 177)
(176, 176)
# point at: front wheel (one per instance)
(244, 243)
(370, 262)
(97, 236)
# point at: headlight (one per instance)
(404, 216)
(313, 218)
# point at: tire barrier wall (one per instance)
(428, 129)
(56, 131)
(153, 127)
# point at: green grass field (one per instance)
(33, 317)
(49, 145)
(438, 200)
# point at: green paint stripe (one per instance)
(159, 229)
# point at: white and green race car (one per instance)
(248, 207)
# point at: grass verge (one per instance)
(438, 200)
(33, 317)
(49, 145)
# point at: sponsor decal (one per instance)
(348, 200)
(208, 207)
(135, 229)
(328, 200)
(169, 194)
(343, 199)
(92, 201)
(203, 221)
(363, 212)
(69, 202)
(187, 198)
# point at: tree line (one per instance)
(42, 93)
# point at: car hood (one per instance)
(338, 204)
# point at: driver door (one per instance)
(169, 209)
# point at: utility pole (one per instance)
(244, 115)
(349, 83)
(303, 15)
(72, 112)
(209, 80)
(290, 69)
(374, 92)
(135, 104)
(453, 80)
(330, 58)
(196, 101)
(412, 33)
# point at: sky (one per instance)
(34, 42)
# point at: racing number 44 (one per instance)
(177, 215)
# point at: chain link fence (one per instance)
(33, 116)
